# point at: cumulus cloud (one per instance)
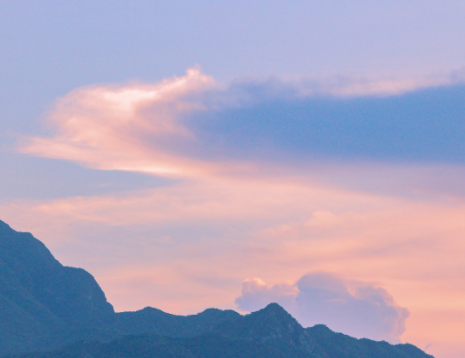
(322, 298)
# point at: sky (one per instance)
(232, 154)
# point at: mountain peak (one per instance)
(274, 308)
(275, 315)
(271, 326)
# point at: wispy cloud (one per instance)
(346, 87)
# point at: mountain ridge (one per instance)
(48, 307)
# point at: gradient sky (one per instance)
(232, 154)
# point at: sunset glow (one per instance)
(334, 192)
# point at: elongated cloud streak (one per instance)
(189, 126)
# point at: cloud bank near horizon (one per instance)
(316, 298)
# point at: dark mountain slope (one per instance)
(151, 346)
(342, 346)
(270, 333)
(43, 302)
(70, 294)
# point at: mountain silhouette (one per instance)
(273, 327)
(42, 301)
(50, 310)
(156, 321)
(152, 346)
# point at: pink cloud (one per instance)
(130, 128)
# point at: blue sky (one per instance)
(197, 154)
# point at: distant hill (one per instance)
(47, 307)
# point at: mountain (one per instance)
(152, 346)
(277, 329)
(155, 321)
(41, 301)
(273, 327)
(58, 311)
(270, 332)
(339, 345)
(45, 305)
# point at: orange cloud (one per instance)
(130, 128)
